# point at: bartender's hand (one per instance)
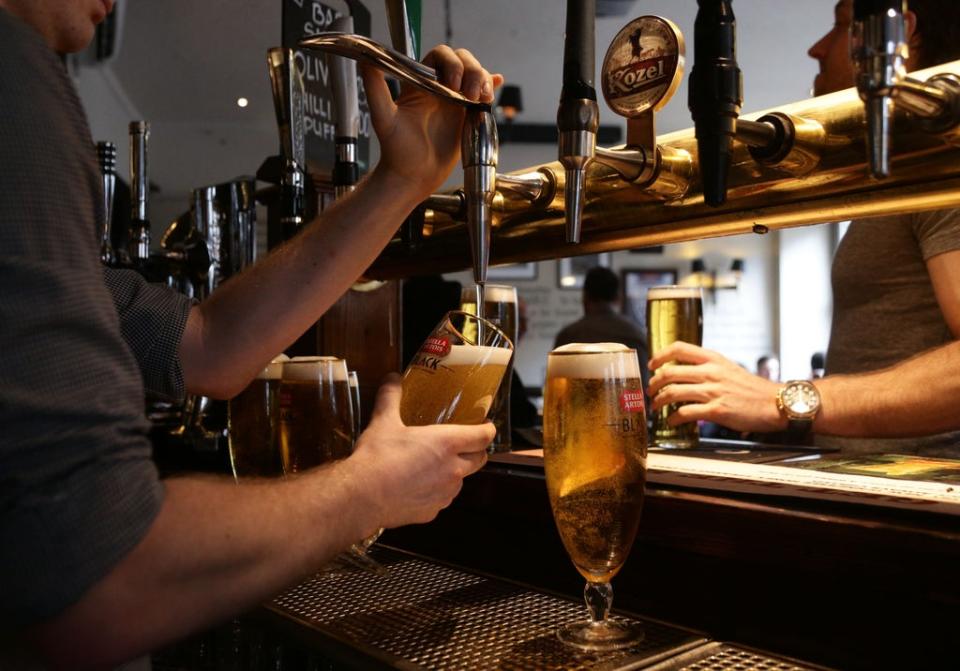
(716, 389)
(419, 134)
(412, 472)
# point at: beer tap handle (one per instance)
(139, 190)
(401, 31)
(716, 94)
(878, 49)
(578, 116)
(107, 157)
(346, 170)
(288, 93)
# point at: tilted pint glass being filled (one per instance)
(316, 416)
(674, 313)
(500, 308)
(455, 375)
(594, 451)
(251, 432)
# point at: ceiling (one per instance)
(182, 64)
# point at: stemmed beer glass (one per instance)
(455, 375)
(595, 454)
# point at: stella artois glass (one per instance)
(674, 313)
(455, 375)
(251, 431)
(499, 307)
(595, 456)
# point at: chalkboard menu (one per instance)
(303, 18)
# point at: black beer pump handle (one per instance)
(716, 94)
(864, 8)
(578, 52)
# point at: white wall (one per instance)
(805, 297)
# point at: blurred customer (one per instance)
(896, 294)
(768, 367)
(601, 321)
(817, 365)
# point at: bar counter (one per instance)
(720, 579)
(845, 585)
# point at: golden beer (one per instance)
(594, 456)
(500, 308)
(453, 388)
(594, 449)
(250, 422)
(674, 313)
(316, 418)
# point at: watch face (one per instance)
(800, 398)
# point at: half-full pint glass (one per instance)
(251, 426)
(500, 308)
(316, 418)
(674, 313)
(454, 377)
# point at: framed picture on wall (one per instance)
(513, 271)
(572, 270)
(636, 282)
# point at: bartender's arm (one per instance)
(234, 333)
(918, 396)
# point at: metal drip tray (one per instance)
(422, 615)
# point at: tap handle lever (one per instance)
(716, 94)
(346, 169)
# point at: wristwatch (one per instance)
(799, 401)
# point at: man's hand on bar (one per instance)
(415, 471)
(419, 134)
(715, 389)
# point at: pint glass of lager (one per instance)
(500, 308)
(595, 457)
(454, 377)
(316, 418)
(251, 428)
(674, 313)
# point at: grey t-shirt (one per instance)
(78, 489)
(884, 307)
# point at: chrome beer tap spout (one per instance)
(879, 51)
(479, 146)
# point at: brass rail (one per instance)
(824, 179)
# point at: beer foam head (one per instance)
(499, 293)
(274, 369)
(673, 291)
(353, 379)
(593, 361)
(472, 355)
(315, 368)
